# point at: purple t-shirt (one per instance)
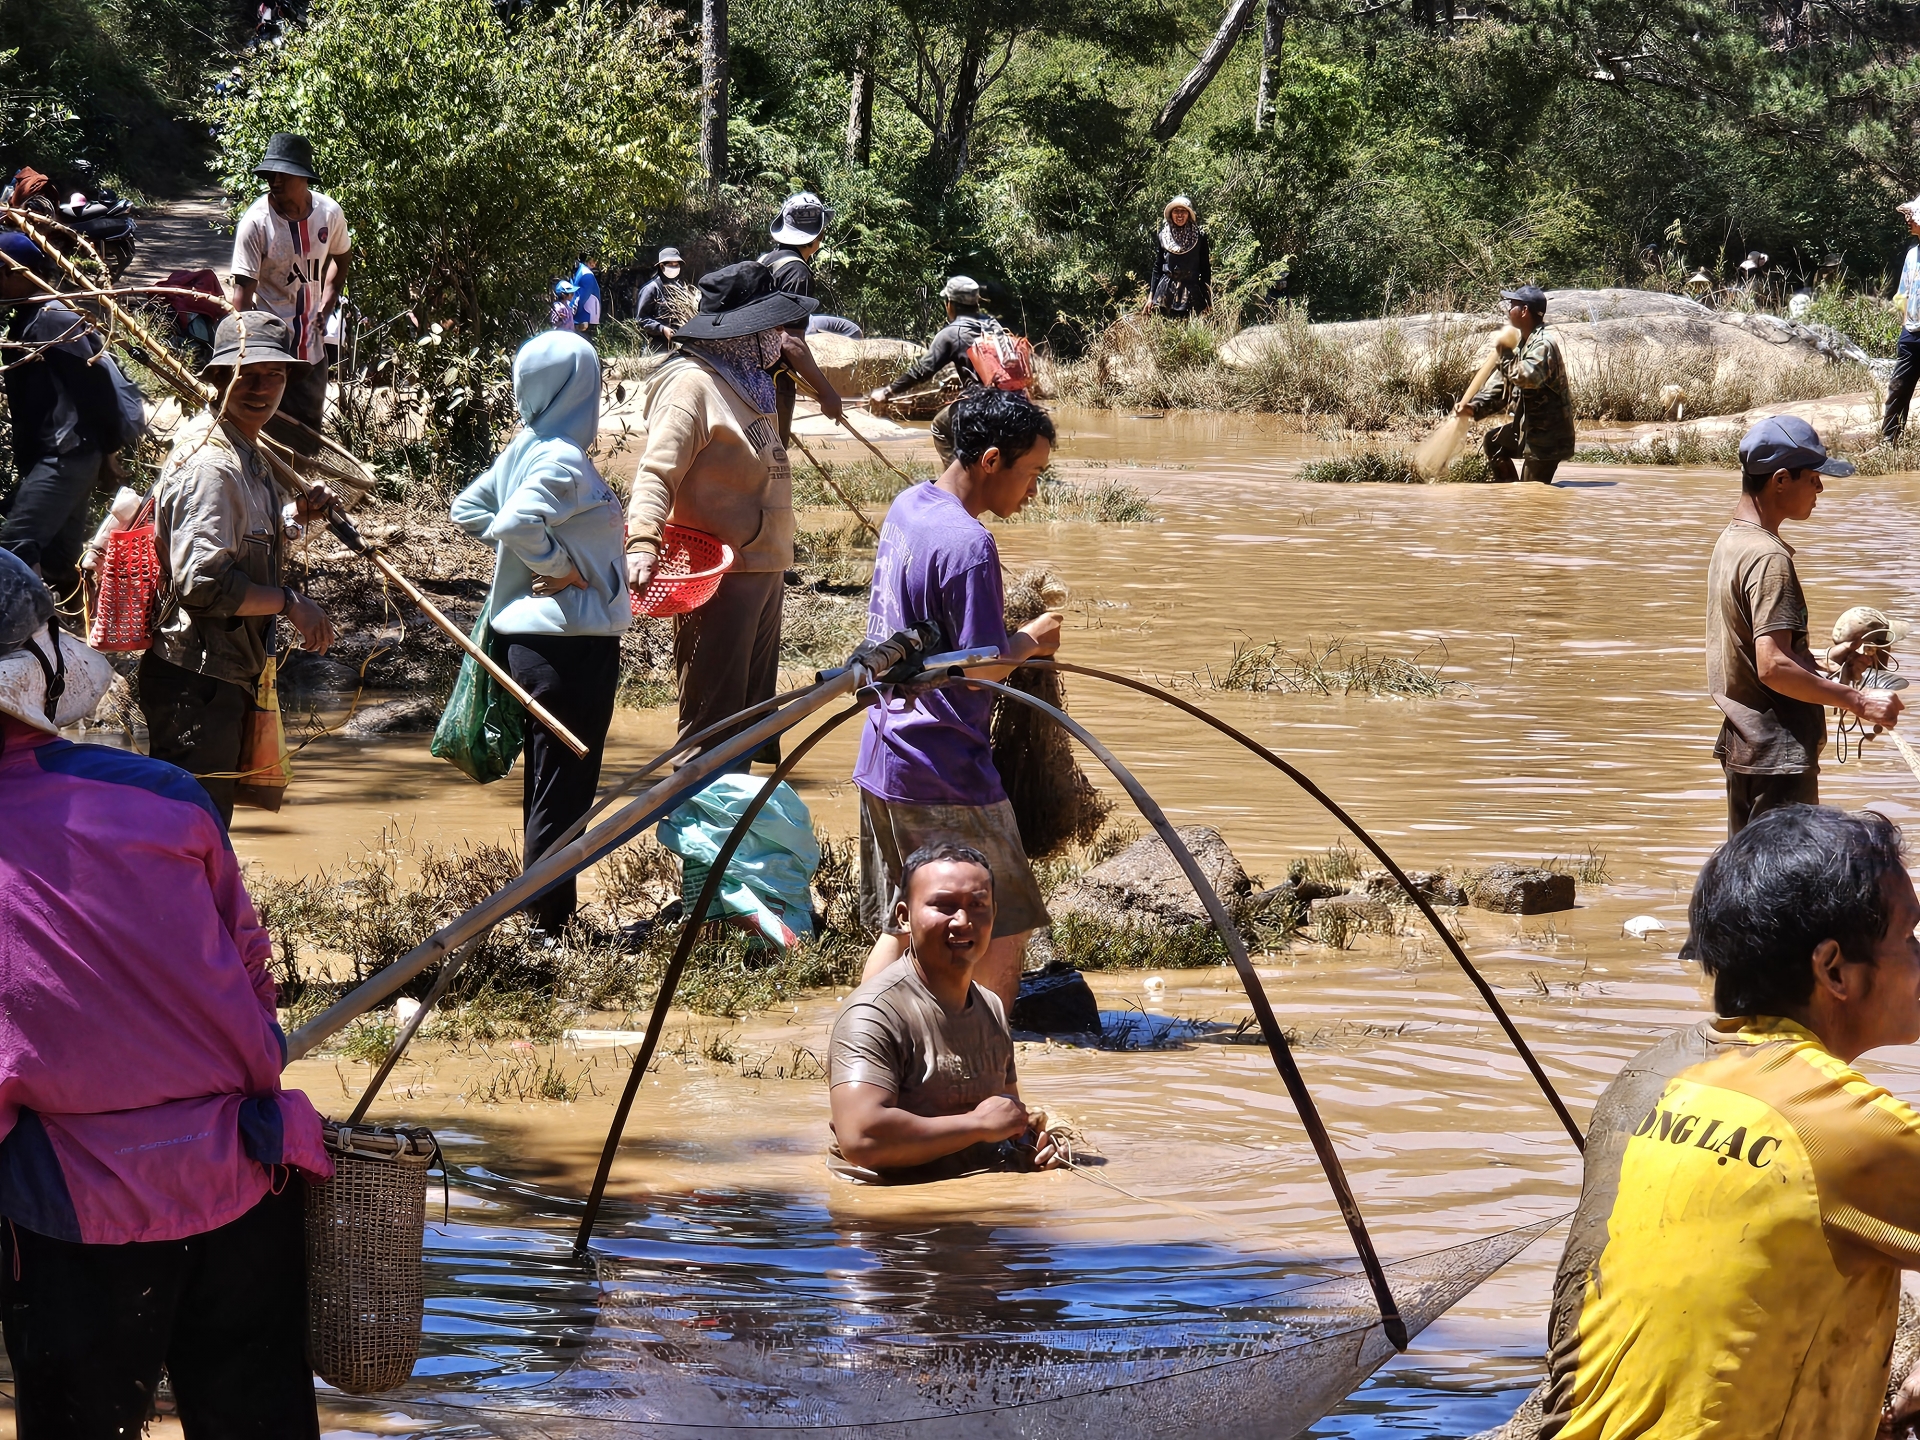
(935, 562)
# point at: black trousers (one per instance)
(575, 677)
(197, 722)
(47, 516)
(89, 1326)
(1749, 796)
(1906, 370)
(306, 401)
(1502, 447)
(726, 656)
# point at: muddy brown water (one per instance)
(1572, 616)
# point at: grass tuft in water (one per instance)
(531, 1077)
(1338, 864)
(1394, 467)
(1269, 668)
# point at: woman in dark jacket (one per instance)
(1182, 281)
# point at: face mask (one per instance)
(769, 349)
(672, 272)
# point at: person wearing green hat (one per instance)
(291, 255)
(966, 323)
(1531, 385)
(1761, 670)
(222, 543)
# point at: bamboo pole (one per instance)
(194, 391)
(848, 426)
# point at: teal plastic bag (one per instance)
(769, 877)
(483, 727)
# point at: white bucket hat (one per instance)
(81, 673)
(803, 219)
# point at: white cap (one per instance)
(1909, 207)
(23, 682)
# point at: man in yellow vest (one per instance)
(1750, 1199)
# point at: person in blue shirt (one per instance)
(586, 297)
(559, 597)
(1906, 364)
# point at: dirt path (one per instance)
(189, 233)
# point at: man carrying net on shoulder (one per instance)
(920, 1070)
(1750, 1199)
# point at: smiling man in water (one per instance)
(1750, 1199)
(920, 1068)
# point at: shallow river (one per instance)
(1572, 616)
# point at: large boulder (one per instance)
(1600, 331)
(1144, 885)
(1852, 418)
(856, 366)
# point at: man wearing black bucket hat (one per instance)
(713, 461)
(1760, 667)
(1530, 384)
(222, 548)
(291, 254)
(796, 236)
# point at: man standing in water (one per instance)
(926, 770)
(1750, 1199)
(920, 1070)
(1531, 383)
(1760, 669)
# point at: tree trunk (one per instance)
(1273, 40)
(951, 141)
(1202, 74)
(713, 92)
(860, 109)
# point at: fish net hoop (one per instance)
(366, 1286)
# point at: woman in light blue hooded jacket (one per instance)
(559, 593)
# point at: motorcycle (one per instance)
(103, 219)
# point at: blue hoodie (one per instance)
(544, 507)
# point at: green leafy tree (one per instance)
(474, 159)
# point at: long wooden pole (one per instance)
(848, 426)
(834, 485)
(193, 391)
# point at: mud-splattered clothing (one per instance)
(1734, 1267)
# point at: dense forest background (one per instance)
(1356, 156)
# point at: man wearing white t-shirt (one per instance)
(1906, 363)
(290, 256)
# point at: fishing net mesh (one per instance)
(1054, 802)
(670, 1361)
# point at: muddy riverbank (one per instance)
(1570, 618)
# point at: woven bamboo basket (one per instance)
(366, 1289)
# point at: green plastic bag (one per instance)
(483, 727)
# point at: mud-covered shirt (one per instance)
(1753, 590)
(1531, 383)
(893, 1033)
(1734, 1268)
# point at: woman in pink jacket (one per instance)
(150, 1163)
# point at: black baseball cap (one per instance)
(1532, 296)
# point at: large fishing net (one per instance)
(1054, 803)
(738, 1357)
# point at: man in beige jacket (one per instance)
(713, 462)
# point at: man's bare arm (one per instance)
(1786, 672)
(240, 291)
(875, 1132)
(335, 282)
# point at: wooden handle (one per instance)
(486, 662)
(847, 425)
(834, 485)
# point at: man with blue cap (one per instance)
(1531, 385)
(1760, 668)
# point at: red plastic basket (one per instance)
(129, 588)
(691, 564)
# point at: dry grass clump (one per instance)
(1270, 668)
(1099, 502)
(1394, 467)
(527, 1076)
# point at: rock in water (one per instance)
(1056, 1001)
(1521, 890)
(418, 716)
(1144, 886)
(1436, 887)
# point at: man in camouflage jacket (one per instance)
(1531, 383)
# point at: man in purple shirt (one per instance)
(926, 771)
